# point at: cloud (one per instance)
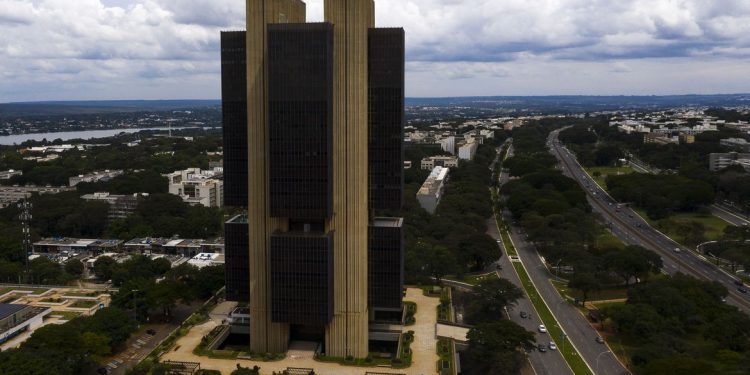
(66, 49)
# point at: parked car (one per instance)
(742, 290)
(151, 332)
(552, 346)
(541, 348)
(524, 315)
(599, 339)
(677, 250)
(542, 328)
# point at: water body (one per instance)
(15, 139)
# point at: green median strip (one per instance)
(569, 353)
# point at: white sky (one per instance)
(169, 49)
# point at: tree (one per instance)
(585, 283)
(104, 267)
(74, 267)
(494, 348)
(440, 262)
(633, 262)
(491, 298)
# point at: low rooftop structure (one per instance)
(59, 245)
(105, 175)
(207, 259)
(16, 319)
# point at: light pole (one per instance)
(597, 359)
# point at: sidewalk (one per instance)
(424, 348)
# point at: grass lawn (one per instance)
(602, 295)
(606, 171)
(33, 290)
(84, 304)
(476, 279)
(609, 240)
(84, 294)
(714, 225)
(66, 315)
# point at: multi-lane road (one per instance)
(631, 228)
(577, 328)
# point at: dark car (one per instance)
(738, 283)
(524, 315)
(542, 348)
(742, 290)
(150, 332)
(599, 339)
(102, 370)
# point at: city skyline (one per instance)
(164, 49)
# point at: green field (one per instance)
(609, 240)
(84, 304)
(606, 171)
(714, 225)
(66, 315)
(602, 295)
(476, 279)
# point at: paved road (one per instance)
(632, 229)
(728, 216)
(550, 362)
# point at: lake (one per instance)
(10, 140)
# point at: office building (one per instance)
(12, 194)
(120, 206)
(448, 145)
(431, 192)
(431, 162)
(198, 187)
(737, 144)
(315, 129)
(17, 319)
(94, 177)
(719, 161)
(468, 150)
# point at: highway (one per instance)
(728, 216)
(550, 362)
(632, 229)
(577, 327)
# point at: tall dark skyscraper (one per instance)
(313, 145)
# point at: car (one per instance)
(599, 339)
(542, 328)
(541, 348)
(742, 290)
(151, 332)
(102, 370)
(677, 250)
(738, 283)
(552, 346)
(524, 315)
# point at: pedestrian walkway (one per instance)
(424, 348)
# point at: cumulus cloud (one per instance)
(63, 49)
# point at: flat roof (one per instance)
(393, 222)
(7, 310)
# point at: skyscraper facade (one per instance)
(319, 154)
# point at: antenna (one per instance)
(25, 216)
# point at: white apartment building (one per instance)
(196, 186)
(448, 145)
(468, 151)
(432, 190)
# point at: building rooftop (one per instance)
(7, 310)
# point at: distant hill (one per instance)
(586, 103)
(53, 108)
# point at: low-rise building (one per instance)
(196, 186)
(432, 190)
(468, 151)
(94, 177)
(659, 139)
(177, 246)
(12, 194)
(7, 175)
(16, 319)
(64, 245)
(431, 162)
(737, 144)
(719, 161)
(207, 259)
(120, 206)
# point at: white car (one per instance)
(552, 345)
(542, 328)
(677, 250)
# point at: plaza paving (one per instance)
(424, 347)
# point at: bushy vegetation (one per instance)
(660, 195)
(679, 325)
(69, 348)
